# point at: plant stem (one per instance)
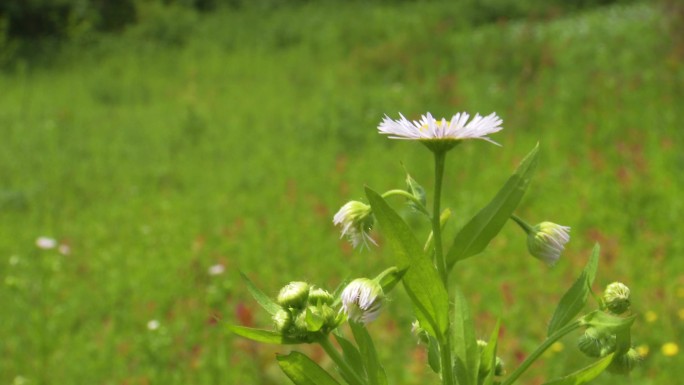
(540, 350)
(524, 225)
(408, 196)
(436, 227)
(351, 375)
(445, 341)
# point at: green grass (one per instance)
(155, 155)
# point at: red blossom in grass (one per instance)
(244, 315)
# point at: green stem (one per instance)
(540, 350)
(445, 341)
(351, 375)
(524, 225)
(409, 196)
(436, 227)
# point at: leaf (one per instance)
(375, 371)
(464, 342)
(575, 298)
(421, 282)
(584, 375)
(608, 323)
(265, 301)
(303, 371)
(474, 237)
(489, 356)
(351, 356)
(433, 354)
(261, 335)
(415, 189)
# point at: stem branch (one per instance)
(351, 375)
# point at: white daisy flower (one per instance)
(547, 240)
(153, 325)
(431, 129)
(362, 300)
(356, 220)
(217, 269)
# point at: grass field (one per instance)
(234, 138)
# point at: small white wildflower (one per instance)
(153, 324)
(217, 269)
(356, 220)
(547, 240)
(64, 249)
(362, 300)
(431, 129)
(46, 243)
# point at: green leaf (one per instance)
(476, 234)
(464, 342)
(415, 189)
(421, 282)
(576, 297)
(375, 371)
(585, 375)
(261, 335)
(265, 301)
(303, 371)
(488, 357)
(351, 356)
(608, 323)
(433, 354)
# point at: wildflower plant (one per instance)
(303, 313)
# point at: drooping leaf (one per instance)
(265, 301)
(464, 342)
(374, 370)
(351, 356)
(421, 282)
(261, 335)
(488, 363)
(575, 298)
(584, 375)
(303, 371)
(474, 237)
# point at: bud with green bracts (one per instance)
(616, 298)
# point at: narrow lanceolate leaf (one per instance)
(374, 370)
(585, 375)
(474, 237)
(261, 335)
(351, 356)
(576, 297)
(303, 371)
(265, 301)
(390, 278)
(489, 356)
(464, 342)
(422, 282)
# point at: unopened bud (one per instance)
(320, 296)
(547, 240)
(282, 320)
(616, 298)
(294, 295)
(356, 220)
(595, 343)
(362, 300)
(625, 363)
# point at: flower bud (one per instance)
(498, 362)
(546, 241)
(625, 363)
(362, 300)
(356, 220)
(616, 298)
(595, 343)
(419, 332)
(282, 320)
(320, 296)
(294, 295)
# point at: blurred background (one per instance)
(150, 150)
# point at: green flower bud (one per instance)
(362, 300)
(294, 295)
(595, 343)
(356, 220)
(625, 363)
(498, 363)
(547, 240)
(616, 298)
(499, 367)
(282, 320)
(419, 332)
(320, 296)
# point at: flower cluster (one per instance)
(306, 312)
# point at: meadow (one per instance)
(231, 139)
